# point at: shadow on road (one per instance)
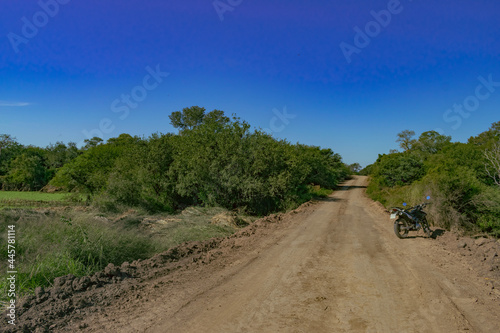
(349, 187)
(438, 233)
(435, 234)
(328, 199)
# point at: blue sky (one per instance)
(66, 66)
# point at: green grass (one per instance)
(321, 192)
(18, 199)
(33, 196)
(51, 244)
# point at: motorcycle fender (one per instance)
(400, 221)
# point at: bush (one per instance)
(398, 169)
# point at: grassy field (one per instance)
(33, 196)
(16, 199)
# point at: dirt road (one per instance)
(335, 266)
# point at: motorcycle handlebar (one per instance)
(422, 205)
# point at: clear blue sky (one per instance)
(67, 64)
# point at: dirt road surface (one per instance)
(334, 266)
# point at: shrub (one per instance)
(398, 169)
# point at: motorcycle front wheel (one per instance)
(400, 228)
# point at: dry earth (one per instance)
(330, 266)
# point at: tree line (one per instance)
(213, 160)
(463, 179)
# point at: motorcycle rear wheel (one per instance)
(398, 228)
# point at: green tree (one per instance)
(488, 137)
(59, 154)
(88, 173)
(124, 140)
(355, 168)
(431, 142)
(398, 169)
(405, 139)
(192, 117)
(188, 118)
(93, 142)
(27, 173)
(141, 175)
(9, 150)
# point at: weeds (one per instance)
(49, 245)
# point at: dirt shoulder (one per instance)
(330, 266)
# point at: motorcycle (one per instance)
(410, 219)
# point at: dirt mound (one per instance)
(482, 254)
(229, 219)
(71, 298)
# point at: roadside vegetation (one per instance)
(463, 179)
(133, 197)
(51, 243)
(212, 161)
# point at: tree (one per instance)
(493, 165)
(9, 150)
(6, 141)
(89, 172)
(431, 142)
(95, 141)
(405, 139)
(141, 176)
(355, 168)
(56, 155)
(490, 136)
(216, 116)
(188, 118)
(27, 173)
(398, 169)
(124, 140)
